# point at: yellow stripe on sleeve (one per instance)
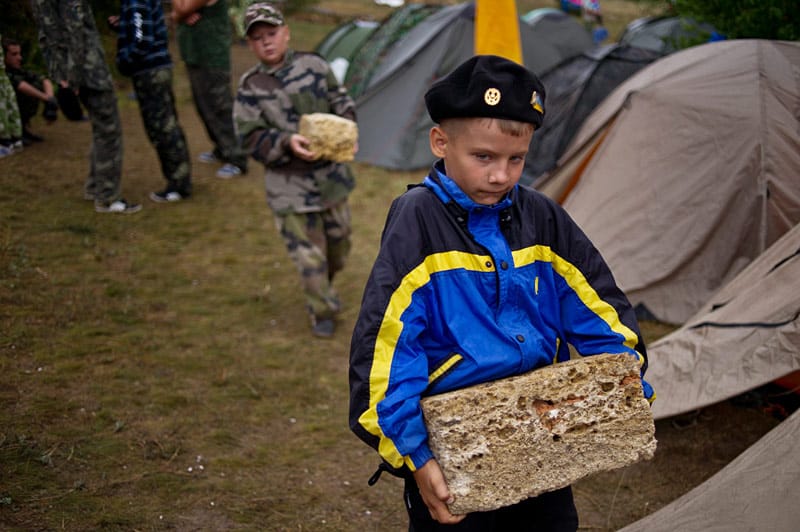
(577, 281)
(391, 329)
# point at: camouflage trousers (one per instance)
(10, 123)
(105, 156)
(318, 244)
(211, 91)
(157, 106)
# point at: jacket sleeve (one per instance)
(388, 367)
(261, 137)
(596, 315)
(134, 36)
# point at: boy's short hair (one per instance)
(488, 86)
(262, 12)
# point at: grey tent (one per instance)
(372, 51)
(758, 490)
(746, 335)
(345, 39)
(392, 120)
(688, 170)
(668, 34)
(563, 31)
(574, 88)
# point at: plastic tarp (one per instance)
(688, 171)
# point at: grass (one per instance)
(157, 371)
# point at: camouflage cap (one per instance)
(262, 12)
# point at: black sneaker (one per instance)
(168, 196)
(29, 138)
(119, 206)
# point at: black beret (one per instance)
(488, 86)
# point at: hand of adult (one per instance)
(435, 493)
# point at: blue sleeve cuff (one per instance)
(419, 457)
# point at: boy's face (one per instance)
(14, 56)
(269, 43)
(484, 162)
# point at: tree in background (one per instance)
(745, 19)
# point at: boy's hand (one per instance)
(299, 146)
(434, 492)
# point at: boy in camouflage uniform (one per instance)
(308, 196)
(143, 55)
(75, 58)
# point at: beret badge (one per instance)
(491, 96)
(536, 102)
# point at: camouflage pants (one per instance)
(157, 105)
(318, 244)
(105, 157)
(211, 91)
(10, 124)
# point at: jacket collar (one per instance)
(448, 191)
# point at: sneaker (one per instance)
(118, 206)
(168, 196)
(323, 327)
(5, 151)
(228, 171)
(207, 157)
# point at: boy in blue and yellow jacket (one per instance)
(477, 279)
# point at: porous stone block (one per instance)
(331, 137)
(504, 441)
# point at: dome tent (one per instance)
(688, 170)
(574, 88)
(392, 120)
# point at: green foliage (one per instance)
(746, 19)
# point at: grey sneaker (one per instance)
(118, 206)
(207, 157)
(229, 171)
(323, 327)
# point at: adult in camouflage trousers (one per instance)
(75, 58)
(142, 54)
(204, 40)
(10, 123)
(307, 196)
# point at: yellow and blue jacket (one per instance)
(463, 293)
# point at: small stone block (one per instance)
(331, 137)
(504, 441)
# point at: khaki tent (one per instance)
(759, 490)
(688, 170)
(746, 335)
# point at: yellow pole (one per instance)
(497, 29)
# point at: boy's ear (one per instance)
(438, 139)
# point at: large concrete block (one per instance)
(331, 137)
(504, 441)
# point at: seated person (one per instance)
(30, 88)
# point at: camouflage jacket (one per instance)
(71, 44)
(267, 110)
